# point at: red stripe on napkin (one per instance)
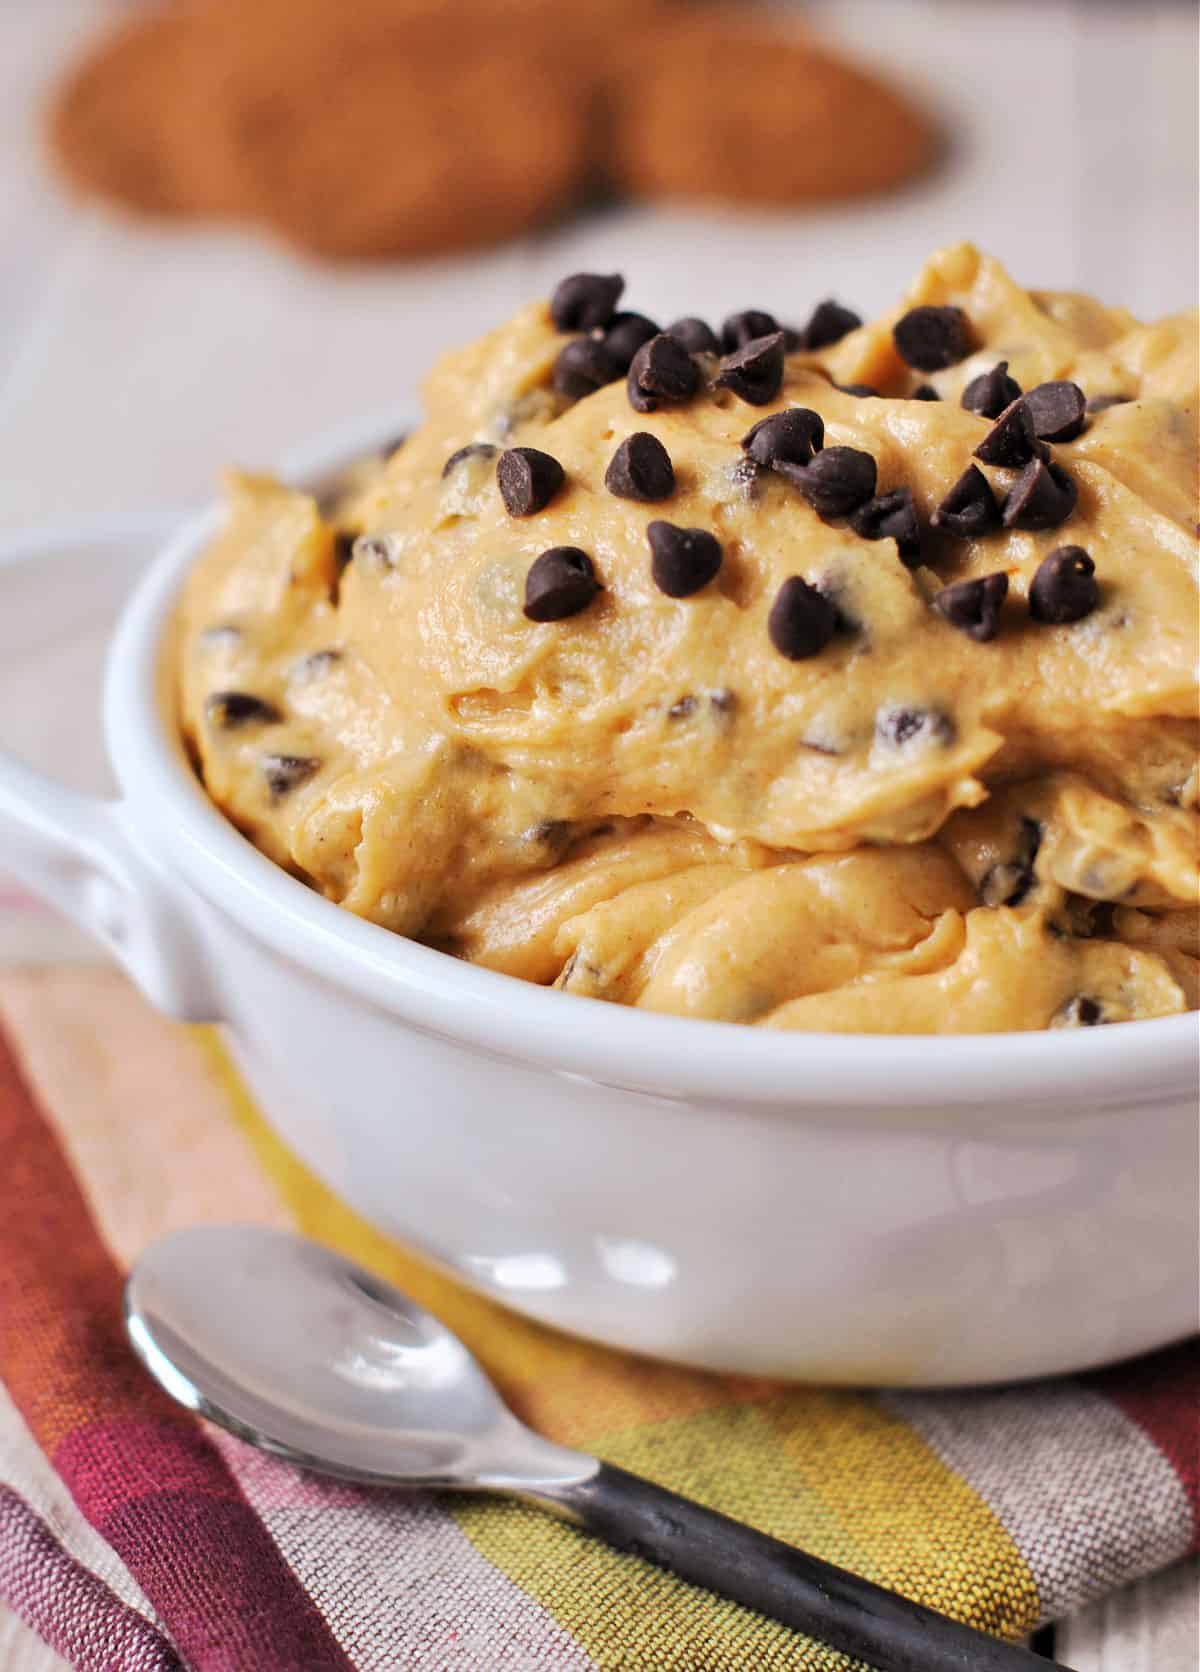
(1161, 1393)
(141, 1471)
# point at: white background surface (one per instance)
(134, 364)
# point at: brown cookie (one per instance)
(134, 122)
(713, 110)
(430, 142)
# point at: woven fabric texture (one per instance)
(136, 1539)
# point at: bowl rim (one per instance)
(615, 1045)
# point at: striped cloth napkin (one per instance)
(135, 1539)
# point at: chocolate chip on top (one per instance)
(528, 480)
(586, 301)
(230, 710)
(974, 606)
(837, 481)
(582, 367)
(285, 773)
(829, 323)
(1011, 441)
(682, 560)
(560, 583)
(790, 437)
(988, 394)
(641, 468)
(626, 335)
(1057, 411)
(930, 339)
(801, 620)
(1042, 496)
(696, 335)
(925, 392)
(969, 508)
(891, 516)
(473, 450)
(742, 328)
(1065, 586)
(755, 372)
(662, 370)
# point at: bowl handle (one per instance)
(81, 853)
(77, 852)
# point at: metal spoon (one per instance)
(310, 1357)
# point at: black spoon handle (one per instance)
(803, 1592)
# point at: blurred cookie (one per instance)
(429, 144)
(366, 128)
(717, 110)
(134, 123)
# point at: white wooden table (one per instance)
(134, 364)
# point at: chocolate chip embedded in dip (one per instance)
(856, 681)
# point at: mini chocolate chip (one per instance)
(1101, 403)
(861, 391)
(223, 637)
(641, 469)
(1008, 883)
(891, 516)
(286, 772)
(801, 621)
(1079, 1012)
(661, 370)
(1065, 587)
(560, 583)
(793, 436)
(473, 450)
(904, 725)
(988, 394)
(1043, 496)
(924, 392)
(626, 335)
(723, 700)
(974, 606)
(376, 551)
(681, 709)
(551, 833)
(755, 372)
(696, 335)
(836, 482)
(682, 559)
(343, 548)
(969, 508)
(582, 367)
(1057, 411)
(528, 480)
(1010, 441)
(930, 339)
(742, 328)
(586, 301)
(830, 322)
(314, 666)
(231, 709)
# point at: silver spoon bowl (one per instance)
(310, 1357)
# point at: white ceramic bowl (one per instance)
(856, 1209)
